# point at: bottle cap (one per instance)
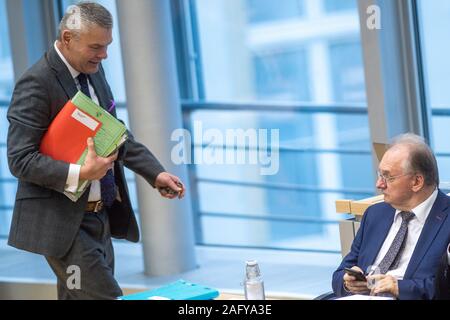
(252, 269)
(251, 262)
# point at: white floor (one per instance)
(286, 274)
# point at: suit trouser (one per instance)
(442, 281)
(87, 271)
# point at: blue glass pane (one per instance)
(312, 171)
(282, 76)
(269, 10)
(8, 190)
(6, 74)
(444, 169)
(260, 201)
(434, 29)
(314, 56)
(338, 5)
(347, 72)
(279, 53)
(298, 145)
(4, 169)
(440, 125)
(283, 235)
(5, 221)
(8, 185)
(3, 123)
(7, 196)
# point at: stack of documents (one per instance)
(78, 120)
(178, 290)
(364, 297)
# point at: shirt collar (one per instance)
(72, 71)
(422, 210)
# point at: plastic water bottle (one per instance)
(253, 283)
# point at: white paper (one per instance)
(82, 117)
(364, 297)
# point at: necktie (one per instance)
(392, 257)
(107, 184)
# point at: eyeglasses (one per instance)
(390, 179)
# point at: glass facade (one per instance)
(302, 61)
(434, 29)
(302, 54)
(266, 11)
(333, 5)
(8, 184)
(6, 74)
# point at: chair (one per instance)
(326, 296)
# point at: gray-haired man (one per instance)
(74, 236)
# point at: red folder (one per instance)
(66, 136)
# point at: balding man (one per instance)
(404, 236)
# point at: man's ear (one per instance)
(418, 182)
(66, 37)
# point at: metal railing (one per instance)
(349, 109)
(286, 186)
(308, 108)
(354, 109)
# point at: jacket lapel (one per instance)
(62, 73)
(432, 225)
(99, 85)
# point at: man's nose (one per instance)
(380, 184)
(103, 54)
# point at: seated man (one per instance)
(443, 277)
(406, 235)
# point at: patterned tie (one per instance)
(392, 257)
(107, 184)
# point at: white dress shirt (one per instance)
(74, 169)
(415, 227)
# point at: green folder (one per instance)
(111, 135)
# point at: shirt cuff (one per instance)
(448, 255)
(72, 178)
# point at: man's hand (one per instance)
(353, 285)
(95, 167)
(169, 186)
(385, 283)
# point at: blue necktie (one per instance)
(107, 184)
(392, 257)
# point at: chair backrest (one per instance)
(326, 296)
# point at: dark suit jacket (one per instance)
(418, 281)
(45, 221)
(443, 279)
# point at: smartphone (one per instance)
(355, 273)
(172, 192)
